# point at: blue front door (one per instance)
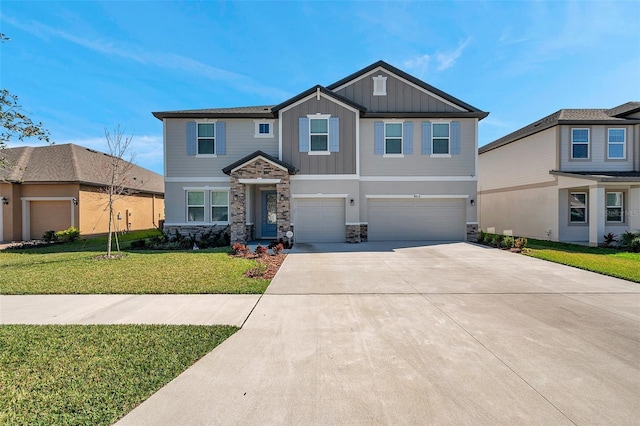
(269, 216)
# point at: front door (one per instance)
(269, 216)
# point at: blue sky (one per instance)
(82, 66)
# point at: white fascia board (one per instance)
(279, 137)
(196, 179)
(324, 177)
(47, 198)
(419, 196)
(380, 68)
(313, 95)
(206, 188)
(265, 159)
(259, 181)
(319, 195)
(418, 178)
(164, 144)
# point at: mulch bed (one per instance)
(269, 265)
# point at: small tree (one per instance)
(120, 179)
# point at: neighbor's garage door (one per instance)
(49, 215)
(416, 219)
(319, 220)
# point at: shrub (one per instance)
(68, 235)
(277, 249)
(480, 236)
(521, 243)
(626, 239)
(635, 245)
(261, 250)
(139, 244)
(50, 236)
(508, 242)
(609, 239)
(239, 248)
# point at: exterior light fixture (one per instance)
(352, 202)
(74, 200)
(473, 202)
(5, 201)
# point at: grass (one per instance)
(605, 261)
(73, 268)
(72, 375)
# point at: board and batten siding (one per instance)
(240, 142)
(597, 161)
(523, 162)
(342, 162)
(418, 164)
(400, 97)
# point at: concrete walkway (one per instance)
(432, 334)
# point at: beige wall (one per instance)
(138, 211)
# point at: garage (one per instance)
(49, 215)
(319, 220)
(430, 219)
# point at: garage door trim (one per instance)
(26, 216)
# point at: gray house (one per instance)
(379, 155)
(572, 176)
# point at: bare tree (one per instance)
(120, 179)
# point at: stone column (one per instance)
(283, 194)
(238, 212)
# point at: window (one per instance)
(195, 206)
(393, 138)
(578, 207)
(263, 128)
(580, 143)
(379, 86)
(319, 134)
(615, 203)
(616, 144)
(219, 206)
(441, 136)
(206, 138)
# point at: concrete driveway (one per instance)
(419, 334)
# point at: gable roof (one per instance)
(408, 77)
(569, 116)
(244, 160)
(322, 90)
(69, 163)
(263, 111)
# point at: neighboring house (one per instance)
(378, 155)
(58, 186)
(572, 176)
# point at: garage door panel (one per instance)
(424, 219)
(319, 220)
(49, 215)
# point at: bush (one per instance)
(68, 235)
(50, 236)
(139, 244)
(508, 242)
(521, 243)
(277, 249)
(609, 239)
(239, 248)
(261, 250)
(480, 236)
(635, 245)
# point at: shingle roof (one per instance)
(263, 111)
(602, 176)
(227, 170)
(568, 116)
(314, 89)
(70, 163)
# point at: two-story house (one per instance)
(572, 176)
(379, 155)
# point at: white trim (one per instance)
(440, 155)
(383, 82)
(418, 179)
(418, 196)
(258, 135)
(47, 198)
(26, 212)
(381, 68)
(623, 143)
(392, 155)
(356, 223)
(319, 116)
(215, 139)
(206, 188)
(585, 207)
(319, 195)
(258, 181)
(472, 223)
(571, 143)
(324, 177)
(265, 159)
(475, 170)
(196, 179)
(207, 155)
(319, 153)
(384, 138)
(1, 222)
(358, 144)
(164, 144)
(279, 137)
(313, 95)
(448, 153)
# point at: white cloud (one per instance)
(418, 64)
(448, 59)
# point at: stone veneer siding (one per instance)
(356, 233)
(258, 168)
(472, 233)
(193, 230)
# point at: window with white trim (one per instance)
(615, 205)
(206, 138)
(578, 207)
(393, 138)
(195, 206)
(219, 206)
(319, 134)
(579, 143)
(616, 144)
(263, 128)
(441, 138)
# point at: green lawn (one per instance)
(73, 268)
(73, 375)
(605, 261)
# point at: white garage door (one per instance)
(319, 220)
(416, 219)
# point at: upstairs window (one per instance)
(195, 206)
(393, 138)
(578, 207)
(263, 129)
(206, 138)
(615, 204)
(318, 134)
(219, 206)
(441, 138)
(580, 143)
(616, 144)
